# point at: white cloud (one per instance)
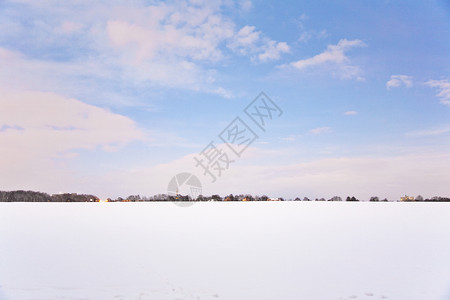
(250, 42)
(68, 123)
(223, 92)
(399, 80)
(335, 57)
(245, 40)
(21, 72)
(443, 87)
(273, 50)
(161, 40)
(351, 113)
(333, 54)
(38, 129)
(320, 130)
(167, 44)
(186, 32)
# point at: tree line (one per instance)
(32, 196)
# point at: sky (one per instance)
(114, 98)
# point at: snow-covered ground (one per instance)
(264, 250)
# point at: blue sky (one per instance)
(115, 99)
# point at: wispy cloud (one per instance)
(291, 137)
(443, 87)
(314, 131)
(307, 35)
(320, 130)
(223, 92)
(430, 132)
(398, 81)
(350, 113)
(335, 58)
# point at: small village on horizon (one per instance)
(32, 196)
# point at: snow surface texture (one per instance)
(264, 250)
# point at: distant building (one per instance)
(406, 198)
